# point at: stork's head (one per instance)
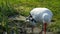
(31, 20)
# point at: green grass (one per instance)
(23, 7)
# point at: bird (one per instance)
(40, 15)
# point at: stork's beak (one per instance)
(27, 19)
(44, 28)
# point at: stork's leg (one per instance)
(45, 24)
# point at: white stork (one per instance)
(40, 15)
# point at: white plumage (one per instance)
(41, 15)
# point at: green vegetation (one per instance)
(23, 7)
